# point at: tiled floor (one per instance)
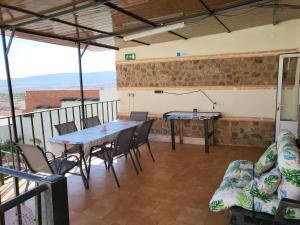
(175, 190)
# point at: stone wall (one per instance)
(236, 71)
(228, 131)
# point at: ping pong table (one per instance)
(180, 116)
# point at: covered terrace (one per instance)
(220, 78)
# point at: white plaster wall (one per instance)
(248, 103)
(284, 35)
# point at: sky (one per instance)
(30, 58)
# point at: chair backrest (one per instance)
(123, 142)
(35, 158)
(66, 128)
(90, 122)
(138, 116)
(143, 132)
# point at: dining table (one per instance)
(90, 137)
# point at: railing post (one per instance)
(55, 206)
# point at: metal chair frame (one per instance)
(113, 151)
(55, 168)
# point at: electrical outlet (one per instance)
(131, 94)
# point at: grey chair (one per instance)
(138, 116)
(121, 146)
(66, 128)
(37, 162)
(142, 138)
(90, 122)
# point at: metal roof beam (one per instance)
(139, 18)
(43, 17)
(199, 16)
(51, 17)
(216, 17)
(58, 37)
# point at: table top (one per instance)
(88, 135)
(181, 115)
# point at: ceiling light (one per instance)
(154, 31)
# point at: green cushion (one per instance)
(266, 161)
(265, 185)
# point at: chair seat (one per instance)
(62, 166)
(100, 154)
(75, 149)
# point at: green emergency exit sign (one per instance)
(130, 56)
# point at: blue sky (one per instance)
(29, 58)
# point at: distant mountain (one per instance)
(61, 81)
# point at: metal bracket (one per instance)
(83, 51)
(10, 41)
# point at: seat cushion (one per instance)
(238, 174)
(266, 161)
(62, 166)
(224, 197)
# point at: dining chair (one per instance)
(121, 146)
(38, 162)
(66, 128)
(138, 116)
(90, 122)
(142, 138)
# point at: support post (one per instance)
(81, 81)
(9, 85)
(13, 115)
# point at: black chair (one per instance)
(142, 138)
(121, 146)
(66, 128)
(37, 162)
(138, 116)
(90, 122)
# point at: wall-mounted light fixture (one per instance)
(154, 31)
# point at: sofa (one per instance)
(265, 192)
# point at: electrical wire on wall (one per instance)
(186, 93)
(131, 101)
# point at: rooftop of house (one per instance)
(38, 99)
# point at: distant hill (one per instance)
(61, 81)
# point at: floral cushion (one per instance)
(285, 136)
(224, 198)
(265, 185)
(270, 206)
(238, 174)
(289, 165)
(266, 161)
(263, 192)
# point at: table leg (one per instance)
(172, 134)
(206, 135)
(83, 159)
(181, 131)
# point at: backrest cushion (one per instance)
(264, 186)
(266, 161)
(289, 165)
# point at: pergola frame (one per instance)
(103, 34)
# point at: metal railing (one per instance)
(50, 195)
(37, 127)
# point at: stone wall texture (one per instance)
(236, 71)
(228, 131)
